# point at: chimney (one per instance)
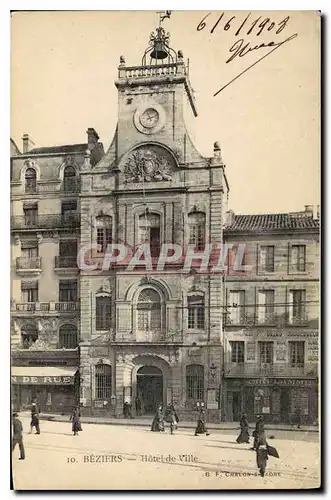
(92, 138)
(229, 218)
(309, 210)
(27, 143)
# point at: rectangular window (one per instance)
(237, 352)
(67, 291)
(236, 307)
(266, 352)
(297, 309)
(267, 258)
(298, 258)
(104, 238)
(29, 252)
(103, 313)
(102, 382)
(196, 313)
(68, 210)
(68, 248)
(265, 307)
(195, 382)
(29, 291)
(30, 214)
(297, 353)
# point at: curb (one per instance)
(184, 426)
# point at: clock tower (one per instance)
(152, 335)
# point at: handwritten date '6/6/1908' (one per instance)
(240, 47)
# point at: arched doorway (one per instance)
(149, 388)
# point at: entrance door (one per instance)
(285, 406)
(236, 406)
(149, 388)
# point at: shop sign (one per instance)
(280, 381)
(266, 409)
(62, 380)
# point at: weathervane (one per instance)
(163, 14)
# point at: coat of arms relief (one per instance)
(145, 165)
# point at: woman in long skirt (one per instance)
(244, 433)
(158, 422)
(75, 421)
(201, 424)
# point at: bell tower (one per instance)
(151, 96)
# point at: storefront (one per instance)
(279, 400)
(56, 388)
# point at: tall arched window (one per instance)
(195, 382)
(102, 381)
(150, 232)
(196, 312)
(149, 311)
(29, 335)
(68, 337)
(69, 180)
(103, 312)
(104, 232)
(30, 181)
(197, 227)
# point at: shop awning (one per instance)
(43, 375)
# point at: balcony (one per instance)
(300, 319)
(63, 263)
(148, 338)
(28, 265)
(269, 370)
(51, 221)
(266, 319)
(45, 307)
(236, 320)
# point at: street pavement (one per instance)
(113, 457)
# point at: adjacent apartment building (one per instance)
(101, 336)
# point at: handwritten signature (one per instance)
(240, 48)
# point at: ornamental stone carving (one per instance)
(145, 165)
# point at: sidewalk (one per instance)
(147, 422)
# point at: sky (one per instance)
(267, 121)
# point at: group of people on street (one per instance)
(170, 416)
(260, 445)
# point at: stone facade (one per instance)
(156, 335)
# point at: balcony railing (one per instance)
(45, 306)
(65, 262)
(28, 263)
(265, 319)
(148, 71)
(268, 370)
(148, 337)
(297, 319)
(46, 221)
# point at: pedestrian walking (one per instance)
(75, 421)
(244, 430)
(259, 429)
(261, 453)
(201, 424)
(171, 417)
(127, 410)
(158, 421)
(35, 416)
(18, 436)
(298, 417)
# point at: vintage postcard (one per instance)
(165, 191)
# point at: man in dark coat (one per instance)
(35, 416)
(259, 429)
(201, 424)
(261, 453)
(18, 436)
(75, 421)
(244, 430)
(171, 417)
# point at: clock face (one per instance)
(149, 118)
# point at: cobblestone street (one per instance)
(119, 457)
